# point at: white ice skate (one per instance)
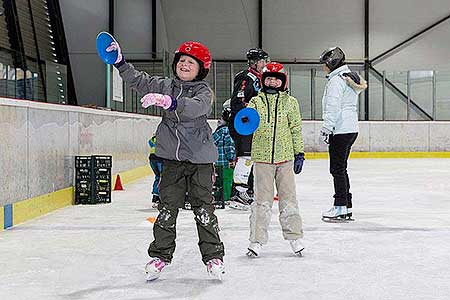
(349, 216)
(297, 246)
(215, 268)
(254, 249)
(335, 214)
(154, 268)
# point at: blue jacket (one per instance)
(225, 146)
(340, 104)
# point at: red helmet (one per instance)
(197, 51)
(274, 69)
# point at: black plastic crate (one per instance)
(102, 162)
(83, 162)
(103, 197)
(93, 179)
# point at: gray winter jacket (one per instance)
(183, 134)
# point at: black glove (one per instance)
(298, 162)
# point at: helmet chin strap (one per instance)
(270, 90)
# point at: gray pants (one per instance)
(261, 209)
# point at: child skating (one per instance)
(186, 146)
(227, 153)
(156, 165)
(277, 152)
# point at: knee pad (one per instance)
(204, 216)
(167, 217)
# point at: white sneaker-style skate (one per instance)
(336, 213)
(254, 249)
(215, 268)
(297, 246)
(154, 268)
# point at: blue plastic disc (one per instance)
(246, 121)
(103, 41)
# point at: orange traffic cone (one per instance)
(118, 186)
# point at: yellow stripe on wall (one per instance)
(324, 155)
(35, 207)
(132, 175)
(41, 205)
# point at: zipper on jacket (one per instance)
(176, 128)
(268, 107)
(275, 126)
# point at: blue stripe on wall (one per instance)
(8, 210)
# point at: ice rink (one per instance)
(398, 247)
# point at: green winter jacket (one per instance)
(279, 135)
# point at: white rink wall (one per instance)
(38, 142)
(388, 136)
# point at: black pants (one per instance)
(218, 187)
(339, 149)
(175, 177)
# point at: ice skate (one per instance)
(349, 216)
(241, 201)
(297, 247)
(254, 249)
(155, 201)
(154, 268)
(215, 268)
(336, 214)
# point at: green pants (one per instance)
(172, 190)
(222, 185)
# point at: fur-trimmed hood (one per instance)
(357, 87)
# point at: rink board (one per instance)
(25, 210)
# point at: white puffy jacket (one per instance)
(340, 103)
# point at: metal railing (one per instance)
(396, 96)
(28, 84)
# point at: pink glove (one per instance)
(114, 46)
(164, 101)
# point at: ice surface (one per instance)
(398, 247)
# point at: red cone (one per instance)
(118, 186)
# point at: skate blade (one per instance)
(251, 254)
(299, 253)
(218, 276)
(239, 206)
(334, 220)
(152, 277)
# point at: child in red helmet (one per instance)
(185, 144)
(277, 153)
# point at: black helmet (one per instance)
(255, 54)
(333, 58)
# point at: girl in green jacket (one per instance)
(277, 152)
